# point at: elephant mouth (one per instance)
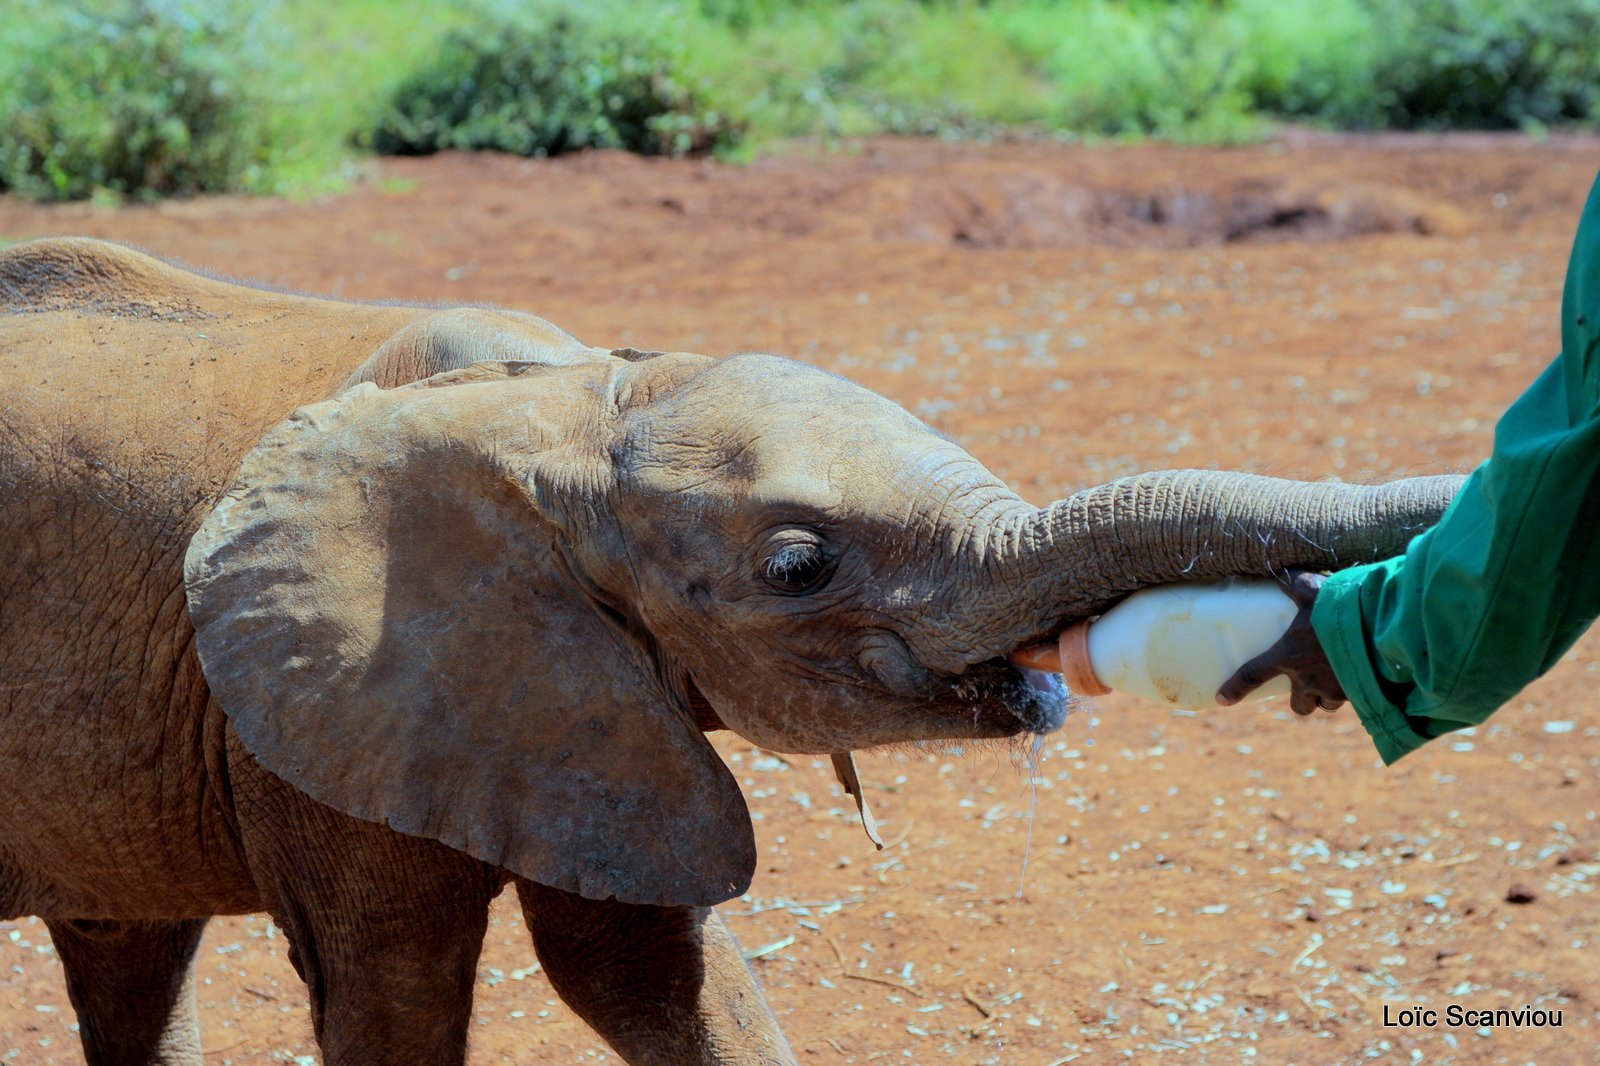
(1012, 698)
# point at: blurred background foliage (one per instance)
(119, 98)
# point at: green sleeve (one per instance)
(1479, 605)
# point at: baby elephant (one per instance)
(355, 614)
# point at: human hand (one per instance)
(1297, 655)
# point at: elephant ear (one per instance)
(387, 609)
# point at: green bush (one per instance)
(1486, 63)
(555, 84)
(1425, 64)
(147, 98)
(1174, 70)
(844, 68)
(1314, 59)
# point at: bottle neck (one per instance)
(1076, 669)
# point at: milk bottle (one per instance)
(1175, 644)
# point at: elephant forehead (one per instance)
(736, 503)
(781, 399)
(858, 461)
(797, 490)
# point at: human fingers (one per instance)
(1249, 677)
(1303, 700)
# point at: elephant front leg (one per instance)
(663, 985)
(132, 985)
(384, 928)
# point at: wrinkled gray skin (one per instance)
(464, 625)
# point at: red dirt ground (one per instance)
(1235, 886)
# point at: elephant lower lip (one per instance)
(1046, 701)
(1019, 700)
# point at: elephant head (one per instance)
(498, 607)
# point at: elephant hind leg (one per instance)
(665, 986)
(132, 985)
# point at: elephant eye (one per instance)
(797, 567)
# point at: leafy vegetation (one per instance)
(1425, 64)
(1488, 63)
(155, 97)
(144, 98)
(550, 84)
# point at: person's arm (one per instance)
(1487, 600)
(1438, 638)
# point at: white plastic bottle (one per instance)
(1177, 644)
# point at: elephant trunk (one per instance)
(1079, 555)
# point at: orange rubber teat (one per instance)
(1046, 657)
(1069, 657)
(1076, 669)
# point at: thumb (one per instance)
(1249, 677)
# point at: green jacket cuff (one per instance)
(1341, 628)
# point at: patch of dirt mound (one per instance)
(981, 211)
(1332, 211)
(1026, 211)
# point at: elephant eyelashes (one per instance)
(797, 568)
